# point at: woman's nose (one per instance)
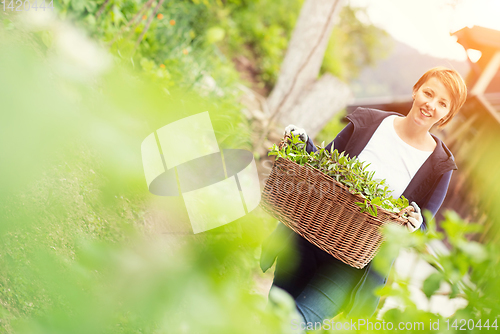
(431, 105)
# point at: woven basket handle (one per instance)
(409, 208)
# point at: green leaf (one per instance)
(432, 284)
(78, 5)
(372, 210)
(474, 250)
(47, 38)
(454, 290)
(215, 34)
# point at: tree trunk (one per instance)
(299, 97)
(317, 103)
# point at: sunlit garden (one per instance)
(86, 245)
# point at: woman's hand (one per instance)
(296, 131)
(415, 218)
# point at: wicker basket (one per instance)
(323, 211)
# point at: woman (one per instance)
(414, 163)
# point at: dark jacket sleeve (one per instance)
(437, 196)
(310, 147)
(340, 142)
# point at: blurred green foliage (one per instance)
(193, 38)
(84, 247)
(260, 30)
(355, 44)
(465, 270)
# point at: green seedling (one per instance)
(349, 171)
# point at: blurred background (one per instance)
(84, 246)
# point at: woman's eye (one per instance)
(427, 93)
(443, 104)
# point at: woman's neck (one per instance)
(416, 136)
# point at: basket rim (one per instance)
(395, 216)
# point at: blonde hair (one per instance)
(455, 84)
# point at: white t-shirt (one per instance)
(392, 158)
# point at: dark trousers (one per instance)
(320, 284)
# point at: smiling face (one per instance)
(431, 102)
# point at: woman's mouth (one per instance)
(425, 113)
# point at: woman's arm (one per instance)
(338, 143)
(310, 147)
(437, 197)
